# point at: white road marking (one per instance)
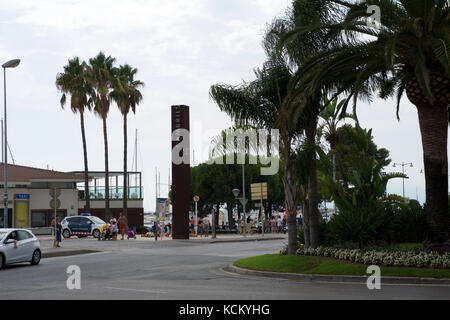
(137, 290)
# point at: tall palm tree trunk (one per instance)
(87, 206)
(312, 183)
(105, 136)
(291, 196)
(433, 121)
(125, 171)
(230, 214)
(306, 226)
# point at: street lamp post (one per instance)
(243, 196)
(403, 171)
(243, 201)
(236, 193)
(196, 199)
(10, 64)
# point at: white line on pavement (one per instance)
(137, 290)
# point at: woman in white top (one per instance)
(114, 228)
(206, 226)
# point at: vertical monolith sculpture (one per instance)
(181, 172)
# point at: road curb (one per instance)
(231, 240)
(65, 253)
(337, 278)
(245, 240)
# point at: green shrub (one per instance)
(362, 227)
(413, 221)
(380, 257)
(325, 238)
(301, 237)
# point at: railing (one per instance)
(115, 193)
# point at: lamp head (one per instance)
(11, 63)
(236, 192)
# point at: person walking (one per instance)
(273, 225)
(300, 222)
(192, 227)
(206, 226)
(52, 225)
(266, 225)
(58, 232)
(155, 230)
(200, 227)
(114, 228)
(169, 227)
(123, 223)
(279, 224)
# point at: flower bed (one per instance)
(385, 258)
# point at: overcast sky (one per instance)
(180, 48)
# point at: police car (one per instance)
(82, 226)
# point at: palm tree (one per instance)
(407, 52)
(127, 96)
(101, 75)
(332, 115)
(259, 103)
(73, 82)
(293, 36)
(300, 159)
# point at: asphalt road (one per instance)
(177, 270)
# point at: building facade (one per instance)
(35, 194)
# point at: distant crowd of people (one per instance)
(276, 224)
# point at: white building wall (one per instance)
(40, 199)
(11, 193)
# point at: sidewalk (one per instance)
(239, 238)
(209, 239)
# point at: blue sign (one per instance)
(24, 196)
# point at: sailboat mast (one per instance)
(135, 159)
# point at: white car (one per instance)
(19, 245)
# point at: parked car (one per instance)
(19, 245)
(81, 226)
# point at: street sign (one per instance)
(259, 191)
(52, 192)
(196, 198)
(22, 196)
(52, 204)
(243, 202)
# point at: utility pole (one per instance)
(403, 171)
(243, 197)
(334, 179)
(3, 150)
(10, 64)
(135, 159)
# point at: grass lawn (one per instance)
(324, 265)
